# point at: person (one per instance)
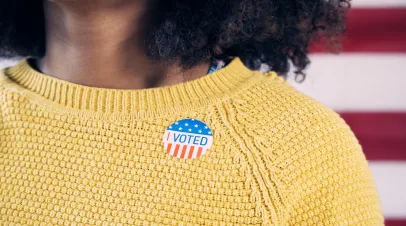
(131, 112)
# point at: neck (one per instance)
(101, 45)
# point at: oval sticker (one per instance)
(187, 139)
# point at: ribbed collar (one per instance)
(152, 101)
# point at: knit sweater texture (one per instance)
(72, 154)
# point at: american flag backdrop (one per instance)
(367, 85)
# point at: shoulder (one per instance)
(307, 155)
(277, 111)
(284, 119)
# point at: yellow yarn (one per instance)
(77, 155)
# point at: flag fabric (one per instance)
(366, 84)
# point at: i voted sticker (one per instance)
(187, 139)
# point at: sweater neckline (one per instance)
(128, 102)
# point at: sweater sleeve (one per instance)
(328, 181)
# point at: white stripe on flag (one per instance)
(357, 82)
(391, 184)
(378, 3)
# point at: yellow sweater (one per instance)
(77, 155)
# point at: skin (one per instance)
(99, 43)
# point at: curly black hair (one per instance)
(277, 33)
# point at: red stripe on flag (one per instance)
(382, 135)
(399, 222)
(373, 30)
